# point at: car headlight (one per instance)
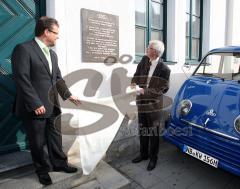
(184, 107)
(237, 124)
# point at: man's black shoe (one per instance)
(66, 169)
(152, 164)
(139, 159)
(44, 178)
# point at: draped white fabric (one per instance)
(93, 146)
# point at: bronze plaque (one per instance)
(100, 37)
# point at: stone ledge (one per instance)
(30, 181)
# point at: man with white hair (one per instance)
(151, 80)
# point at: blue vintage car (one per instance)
(205, 117)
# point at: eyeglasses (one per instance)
(56, 33)
(151, 48)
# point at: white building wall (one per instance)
(233, 23)
(221, 20)
(217, 25)
(214, 24)
(171, 31)
(69, 45)
(206, 27)
(176, 26)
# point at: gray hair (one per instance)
(158, 46)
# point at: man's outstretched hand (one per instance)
(74, 100)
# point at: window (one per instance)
(193, 29)
(149, 19)
(221, 65)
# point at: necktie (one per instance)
(48, 57)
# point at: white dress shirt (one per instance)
(152, 69)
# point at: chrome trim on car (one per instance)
(193, 124)
(221, 134)
(210, 130)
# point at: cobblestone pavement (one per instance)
(175, 170)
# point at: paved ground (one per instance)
(175, 170)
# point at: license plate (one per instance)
(200, 155)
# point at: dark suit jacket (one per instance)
(152, 100)
(35, 85)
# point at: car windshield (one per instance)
(220, 65)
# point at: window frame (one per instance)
(149, 28)
(190, 58)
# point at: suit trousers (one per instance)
(149, 136)
(41, 132)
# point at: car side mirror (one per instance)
(186, 66)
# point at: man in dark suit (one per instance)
(151, 80)
(38, 82)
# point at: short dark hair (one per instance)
(44, 23)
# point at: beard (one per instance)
(51, 44)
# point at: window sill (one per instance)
(192, 62)
(168, 62)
